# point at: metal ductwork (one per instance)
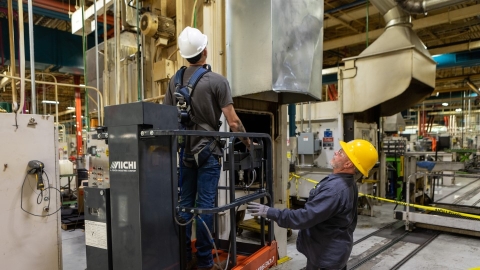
(424, 6)
(394, 123)
(275, 49)
(394, 73)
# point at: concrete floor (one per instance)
(447, 251)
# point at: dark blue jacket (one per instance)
(326, 222)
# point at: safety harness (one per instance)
(183, 95)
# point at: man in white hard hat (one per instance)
(329, 217)
(211, 97)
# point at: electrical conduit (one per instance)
(422, 7)
(33, 109)
(17, 107)
(12, 49)
(66, 85)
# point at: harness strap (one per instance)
(179, 76)
(197, 75)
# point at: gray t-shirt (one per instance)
(211, 94)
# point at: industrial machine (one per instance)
(456, 211)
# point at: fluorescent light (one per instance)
(50, 102)
(444, 104)
(70, 108)
(458, 110)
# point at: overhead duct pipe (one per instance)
(398, 56)
(424, 6)
(472, 86)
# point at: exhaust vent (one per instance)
(394, 73)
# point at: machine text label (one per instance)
(266, 264)
(123, 166)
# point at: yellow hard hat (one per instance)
(362, 154)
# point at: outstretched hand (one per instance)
(257, 209)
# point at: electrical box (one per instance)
(308, 144)
(163, 69)
(98, 166)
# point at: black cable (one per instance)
(49, 187)
(16, 122)
(132, 6)
(76, 221)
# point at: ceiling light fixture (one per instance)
(458, 110)
(50, 102)
(444, 104)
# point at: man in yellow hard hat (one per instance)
(329, 217)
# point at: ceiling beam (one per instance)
(466, 46)
(459, 14)
(343, 23)
(351, 16)
(457, 78)
(447, 90)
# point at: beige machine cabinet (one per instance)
(28, 241)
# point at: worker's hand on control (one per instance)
(257, 209)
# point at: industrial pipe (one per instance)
(12, 48)
(423, 6)
(56, 92)
(33, 100)
(392, 14)
(67, 85)
(21, 45)
(117, 26)
(97, 75)
(106, 75)
(472, 86)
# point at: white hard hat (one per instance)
(191, 42)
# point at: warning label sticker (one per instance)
(96, 234)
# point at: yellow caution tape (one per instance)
(297, 177)
(283, 260)
(369, 181)
(430, 208)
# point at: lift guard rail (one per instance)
(262, 193)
